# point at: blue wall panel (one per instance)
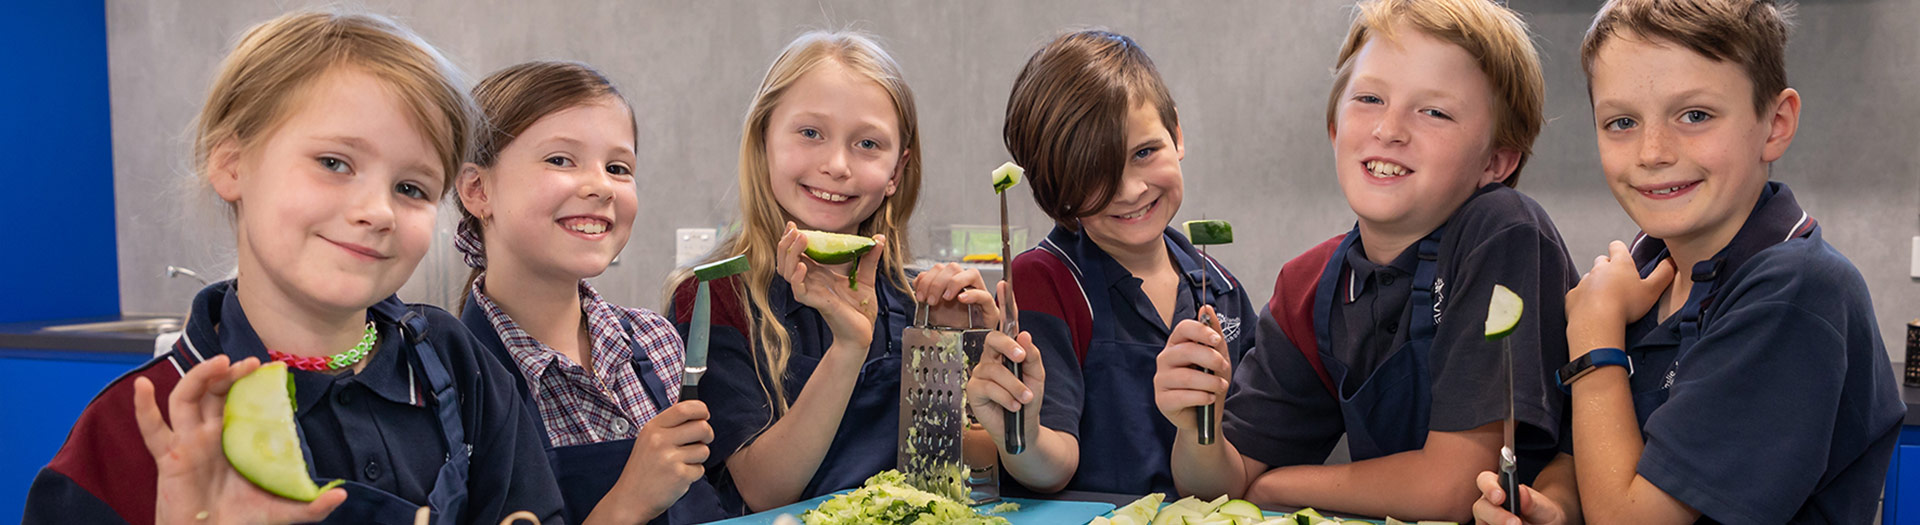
(56, 213)
(39, 400)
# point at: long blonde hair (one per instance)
(762, 221)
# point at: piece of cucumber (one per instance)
(259, 438)
(1006, 176)
(1503, 313)
(1203, 233)
(726, 267)
(835, 248)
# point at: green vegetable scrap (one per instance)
(886, 499)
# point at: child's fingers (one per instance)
(153, 428)
(1006, 347)
(289, 511)
(1195, 332)
(988, 386)
(964, 279)
(188, 395)
(871, 260)
(1490, 491)
(1182, 400)
(1184, 378)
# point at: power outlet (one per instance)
(690, 244)
(1916, 257)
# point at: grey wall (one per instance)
(1250, 76)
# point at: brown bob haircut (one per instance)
(1067, 119)
(1749, 33)
(1491, 33)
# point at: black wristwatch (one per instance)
(1594, 359)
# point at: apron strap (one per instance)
(1420, 303)
(449, 495)
(643, 366)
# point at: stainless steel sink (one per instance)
(148, 326)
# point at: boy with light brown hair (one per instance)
(1726, 366)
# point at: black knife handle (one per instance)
(1016, 420)
(689, 392)
(1511, 484)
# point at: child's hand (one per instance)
(849, 311)
(1534, 508)
(949, 290)
(1177, 387)
(1613, 294)
(196, 484)
(991, 388)
(669, 454)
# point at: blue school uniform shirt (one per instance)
(1106, 399)
(1281, 413)
(377, 427)
(737, 392)
(1784, 410)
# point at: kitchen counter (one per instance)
(34, 336)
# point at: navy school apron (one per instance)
(587, 472)
(367, 504)
(1116, 419)
(1389, 411)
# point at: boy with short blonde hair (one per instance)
(1377, 334)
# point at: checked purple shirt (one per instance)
(611, 404)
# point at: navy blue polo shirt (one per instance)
(736, 392)
(1784, 410)
(1498, 236)
(1110, 392)
(377, 427)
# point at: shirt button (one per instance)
(344, 397)
(1386, 279)
(620, 427)
(1390, 326)
(372, 471)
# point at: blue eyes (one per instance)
(869, 144)
(1367, 99)
(1692, 116)
(1143, 153)
(335, 165)
(1435, 113)
(810, 133)
(411, 190)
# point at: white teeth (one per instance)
(1667, 190)
(587, 227)
(1383, 169)
(828, 196)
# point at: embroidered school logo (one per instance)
(1671, 371)
(1439, 297)
(1229, 328)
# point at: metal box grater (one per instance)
(933, 379)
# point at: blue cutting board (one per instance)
(1032, 511)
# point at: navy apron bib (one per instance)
(1118, 418)
(367, 504)
(587, 472)
(1388, 412)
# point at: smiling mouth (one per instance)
(359, 250)
(826, 195)
(1669, 190)
(1381, 169)
(1142, 212)
(586, 225)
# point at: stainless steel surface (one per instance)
(933, 378)
(150, 326)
